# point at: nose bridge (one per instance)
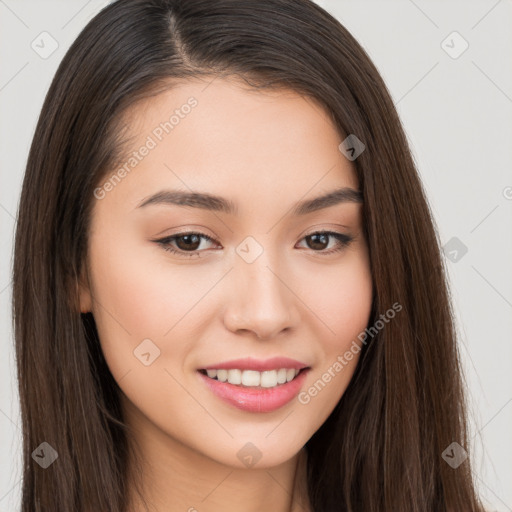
(262, 301)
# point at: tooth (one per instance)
(235, 376)
(281, 376)
(268, 379)
(250, 378)
(222, 375)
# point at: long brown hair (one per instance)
(381, 448)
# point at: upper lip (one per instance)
(260, 365)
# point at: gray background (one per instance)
(457, 114)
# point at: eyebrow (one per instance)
(220, 204)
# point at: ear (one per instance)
(84, 293)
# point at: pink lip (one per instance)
(249, 363)
(256, 399)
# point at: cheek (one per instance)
(138, 296)
(342, 300)
(341, 297)
(139, 293)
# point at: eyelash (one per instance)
(343, 242)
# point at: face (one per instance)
(178, 286)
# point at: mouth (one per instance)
(255, 391)
(254, 379)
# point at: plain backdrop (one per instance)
(448, 66)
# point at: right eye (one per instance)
(189, 242)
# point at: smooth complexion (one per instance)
(264, 152)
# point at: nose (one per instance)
(261, 299)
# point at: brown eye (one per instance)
(319, 241)
(187, 243)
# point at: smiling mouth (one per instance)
(254, 379)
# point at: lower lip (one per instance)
(256, 399)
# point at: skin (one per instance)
(264, 151)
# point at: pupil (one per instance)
(323, 236)
(187, 244)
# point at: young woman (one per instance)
(228, 289)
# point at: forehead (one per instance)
(222, 135)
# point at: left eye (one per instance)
(188, 243)
(321, 238)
